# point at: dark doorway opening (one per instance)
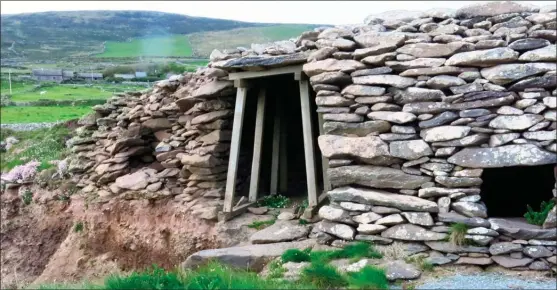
(283, 100)
(506, 191)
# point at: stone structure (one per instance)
(414, 108)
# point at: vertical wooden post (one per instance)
(239, 108)
(308, 140)
(257, 145)
(283, 163)
(276, 147)
(324, 161)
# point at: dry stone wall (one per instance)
(172, 140)
(415, 107)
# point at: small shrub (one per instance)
(303, 222)
(538, 217)
(27, 197)
(296, 256)
(457, 234)
(274, 201)
(276, 270)
(261, 224)
(78, 227)
(322, 276)
(368, 278)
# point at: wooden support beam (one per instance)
(324, 161)
(265, 73)
(257, 145)
(308, 142)
(310, 211)
(283, 160)
(226, 216)
(276, 148)
(238, 123)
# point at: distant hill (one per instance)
(56, 35)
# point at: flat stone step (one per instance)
(253, 257)
(519, 229)
(281, 231)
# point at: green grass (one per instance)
(173, 45)
(322, 276)
(261, 224)
(296, 256)
(35, 114)
(78, 227)
(368, 278)
(274, 201)
(43, 145)
(538, 217)
(17, 86)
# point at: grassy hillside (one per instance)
(204, 43)
(59, 35)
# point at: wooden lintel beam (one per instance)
(265, 73)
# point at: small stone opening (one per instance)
(506, 191)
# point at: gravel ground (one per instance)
(487, 281)
(27, 126)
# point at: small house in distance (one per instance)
(91, 76)
(140, 74)
(54, 75)
(124, 76)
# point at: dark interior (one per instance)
(506, 191)
(285, 90)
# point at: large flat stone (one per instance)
(389, 80)
(332, 65)
(375, 176)
(214, 89)
(262, 62)
(280, 231)
(438, 107)
(483, 58)
(447, 247)
(494, 8)
(431, 49)
(444, 133)
(371, 150)
(358, 129)
(252, 257)
(382, 198)
(518, 122)
(452, 217)
(410, 150)
(394, 117)
(505, 73)
(521, 230)
(509, 262)
(413, 95)
(410, 232)
(503, 156)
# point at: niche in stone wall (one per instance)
(506, 191)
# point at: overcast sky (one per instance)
(317, 12)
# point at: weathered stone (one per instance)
(505, 73)
(471, 140)
(157, 124)
(378, 60)
(438, 107)
(551, 219)
(372, 71)
(376, 240)
(547, 53)
(280, 231)
(375, 176)
(444, 133)
(412, 94)
(470, 209)
(438, 120)
(390, 220)
(444, 81)
(365, 218)
(363, 91)
(415, 63)
(214, 89)
(359, 129)
(212, 116)
(487, 9)
(384, 210)
(321, 54)
(458, 181)
(540, 135)
(370, 149)
(410, 150)
(508, 110)
(370, 229)
(482, 231)
(342, 117)
(330, 78)
(548, 80)
(342, 231)
(134, 181)
(526, 44)
(509, 262)
(435, 71)
(331, 65)
(419, 218)
(373, 39)
(503, 156)
(389, 80)
(409, 232)
(374, 50)
(452, 217)
(382, 198)
(501, 139)
(474, 261)
(355, 207)
(536, 252)
(396, 270)
(373, 100)
(483, 58)
(519, 229)
(431, 49)
(447, 247)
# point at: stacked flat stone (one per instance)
(413, 115)
(171, 140)
(415, 107)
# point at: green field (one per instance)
(30, 114)
(175, 45)
(31, 91)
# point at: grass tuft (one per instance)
(261, 224)
(538, 217)
(78, 227)
(154, 278)
(368, 278)
(457, 234)
(296, 256)
(322, 276)
(352, 251)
